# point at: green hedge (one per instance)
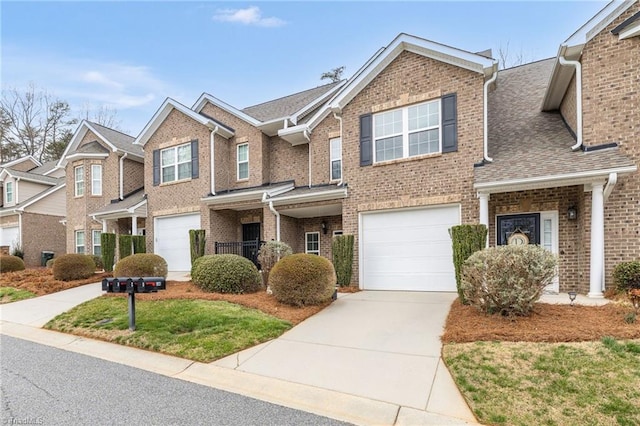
(197, 241)
(108, 246)
(466, 240)
(626, 275)
(125, 248)
(139, 244)
(342, 251)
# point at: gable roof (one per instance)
(115, 141)
(31, 158)
(60, 184)
(28, 176)
(531, 148)
(45, 168)
(163, 112)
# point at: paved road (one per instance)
(44, 385)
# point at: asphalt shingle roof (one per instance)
(527, 143)
(124, 204)
(288, 105)
(33, 176)
(46, 167)
(93, 147)
(118, 139)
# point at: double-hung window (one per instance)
(175, 163)
(8, 192)
(80, 242)
(407, 132)
(312, 243)
(78, 173)
(335, 158)
(243, 161)
(96, 179)
(95, 240)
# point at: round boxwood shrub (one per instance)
(74, 266)
(225, 273)
(141, 265)
(303, 279)
(507, 279)
(626, 275)
(97, 260)
(11, 263)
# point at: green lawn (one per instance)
(10, 294)
(195, 329)
(589, 383)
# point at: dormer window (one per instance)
(8, 191)
(78, 173)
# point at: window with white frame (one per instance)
(407, 132)
(79, 241)
(78, 173)
(335, 158)
(8, 192)
(96, 179)
(243, 161)
(95, 240)
(312, 242)
(175, 163)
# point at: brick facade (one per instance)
(50, 236)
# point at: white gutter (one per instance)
(126, 154)
(611, 183)
(212, 157)
(337, 117)
(486, 116)
(16, 200)
(305, 133)
(578, 67)
(275, 213)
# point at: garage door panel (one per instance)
(409, 249)
(172, 240)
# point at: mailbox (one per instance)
(133, 284)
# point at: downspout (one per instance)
(486, 117)
(305, 133)
(337, 117)
(578, 67)
(275, 213)
(212, 156)
(122, 175)
(15, 193)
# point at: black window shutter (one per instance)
(156, 167)
(194, 159)
(366, 140)
(449, 123)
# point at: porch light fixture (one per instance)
(572, 297)
(324, 227)
(572, 213)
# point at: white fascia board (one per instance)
(73, 143)
(79, 155)
(21, 159)
(551, 181)
(41, 196)
(633, 30)
(255, 195)
(332, 194)
(9, 212)
(109, 144)
(205, 97)
(120, 213)
(295, 135)
(329, 95)
(7, 172)
(599, 21)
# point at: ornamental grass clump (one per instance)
(507, 279)
(73, 266)
(141, 265)
(303, 279)
(225, 273)
(269, 254)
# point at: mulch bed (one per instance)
(40, 281)
(548, 323)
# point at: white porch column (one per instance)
(104, 225)
(484, 211)
(134, 225)
(597, 241)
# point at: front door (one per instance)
(532, 228)
(251, 241)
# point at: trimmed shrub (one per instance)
(125, 246)
(303, 279)
(342, 252)
(141, 265)
(197, 241)
(466, 240)
(108, 246)
(507, 279)
(97, 260)
(269, 254)
(139, 244)
(225, 273)
(49, 263)
(626, 275)
(74, 266)
(11, 263)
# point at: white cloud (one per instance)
(249, 16)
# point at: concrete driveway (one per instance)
(378, 345)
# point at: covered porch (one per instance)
(125, 217)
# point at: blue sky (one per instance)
(132, 55)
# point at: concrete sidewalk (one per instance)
(369, 358)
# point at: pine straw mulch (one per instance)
(40, 281)
(260, 300)
(548, 323)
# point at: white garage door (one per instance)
(171, 240)
(408, 249)
(9, 236)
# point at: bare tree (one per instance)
(30, 121)
(508, 58)
(334, 75)
(103, 115)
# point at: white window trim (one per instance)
(8, 192)
(84, 242)
(331, 160)
(176, 164)
(406, 132)
(306, 243)
(238, 162)
(338, 232)
(94, 180)
(77, 181)
(94, 239)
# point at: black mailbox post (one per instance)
(133, 285)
